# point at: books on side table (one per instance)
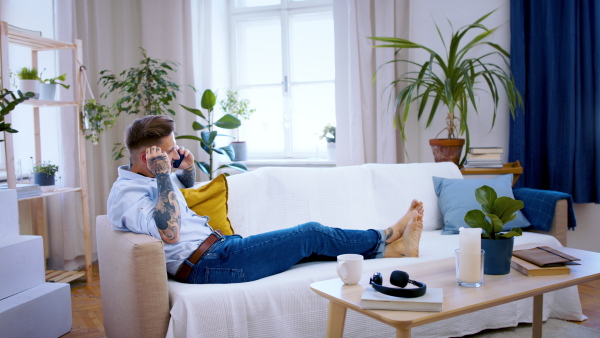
(432, 300)
(484, 157)
(542, 261)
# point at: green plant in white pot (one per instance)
(48, 86)
(239, 108)
(329, 135)
(44, 175)
(28, 81)
(450, 79)
(494, 214)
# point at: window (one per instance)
(283, 61)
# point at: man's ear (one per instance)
(143, 158)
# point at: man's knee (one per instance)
(311, 226)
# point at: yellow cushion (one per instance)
(211, 200)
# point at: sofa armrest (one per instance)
(550, 212)
(133, 282)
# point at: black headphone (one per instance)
(398, 278)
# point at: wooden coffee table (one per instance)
(458, 300)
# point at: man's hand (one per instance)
(188, 161)
(157, 161)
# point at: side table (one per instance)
(507, 168)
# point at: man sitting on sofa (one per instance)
(146, 199)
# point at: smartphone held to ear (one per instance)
(177, 163)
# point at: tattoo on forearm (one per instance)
(389, 232)
(166, 213)
(187, 177)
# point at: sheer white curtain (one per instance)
(365, 131)
(112, 33)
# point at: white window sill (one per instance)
(305, 162)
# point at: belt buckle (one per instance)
(218, 234)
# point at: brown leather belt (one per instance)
(185, 268)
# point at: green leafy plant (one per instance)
(147, 89)
(451, 79)
(498, 210)
(8, 102)
(27, 73)
(54, 80)
(328, 133)
(97, 118)
(208, 134)
(45, 168)
(236, 107)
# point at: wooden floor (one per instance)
(87, 306)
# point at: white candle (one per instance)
(469, 269)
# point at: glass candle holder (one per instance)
(469, 268)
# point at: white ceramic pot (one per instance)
(331, 151)
(47, 91)
(241, 151)
(30, 86)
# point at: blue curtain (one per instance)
(555, 58)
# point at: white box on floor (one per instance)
(22, 264)
(42, 311)
(9, 209)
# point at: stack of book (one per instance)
(484, 157)
(25, 190)
(432, 300)
(542, 261)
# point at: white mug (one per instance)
(349, 268)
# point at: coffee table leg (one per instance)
(336, 320)
(538, 308)
(402, 333)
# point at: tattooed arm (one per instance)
(187, 174)
(167, 215)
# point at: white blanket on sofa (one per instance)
(361, 197)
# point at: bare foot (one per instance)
(394, 232)
(408, 244)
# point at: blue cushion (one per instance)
(457, 196)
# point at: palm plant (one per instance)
(8, 102)
(451, 79)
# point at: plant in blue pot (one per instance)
(494, 214)
(43, 175)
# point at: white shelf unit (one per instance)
(10, 36)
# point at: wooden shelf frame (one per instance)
(9, 35)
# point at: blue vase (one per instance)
(43, 179)
(498, 253)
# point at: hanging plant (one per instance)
(96, 118)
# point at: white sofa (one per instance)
(139, 301)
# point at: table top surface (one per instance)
(458, 300)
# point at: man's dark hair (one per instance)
(146, 131)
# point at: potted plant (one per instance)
(329, 135)
(9, 101)
(43, 175)
(48, 86)
(28, 81)
(147, 89)
(494, 214)
(208, 134)
(450, 79)
(240, 109)
(96, 119)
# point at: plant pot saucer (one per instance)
(48, 188)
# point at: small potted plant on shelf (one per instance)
(240, 109)
(48, 86)
(329, 135)
(44, 175)
(28, 81)
(494, 214)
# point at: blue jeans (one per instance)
(235, 259)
